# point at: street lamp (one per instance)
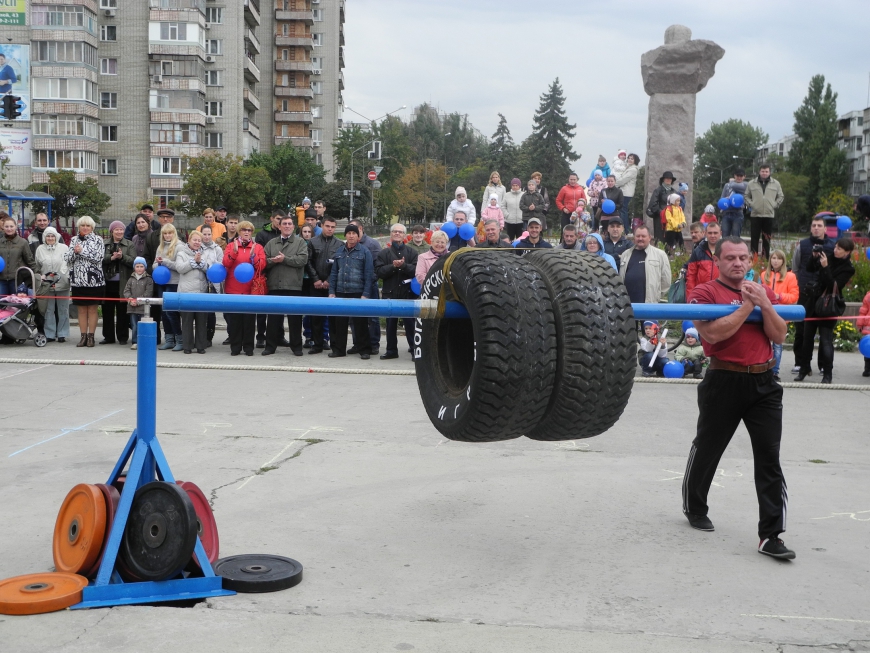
(721, 170)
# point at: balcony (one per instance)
(297, 141)
(296, 41)
(252, 12)
(253, 40)
(252, 128)
(289, 91)
(340, 80)
(251, 100)
(293, 116)
(252, 73)
(288, 64)
(306, 17)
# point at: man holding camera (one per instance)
(806, 251)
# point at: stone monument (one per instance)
(672, 75)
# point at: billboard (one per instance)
(15, 73)
(15, 144)
(13, 12)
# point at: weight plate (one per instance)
(79, 529)
(160, 533)
(206, 526)
(255, 573)
(39, 593)
(119, 484)
(113, 498)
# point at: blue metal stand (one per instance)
(148, 464)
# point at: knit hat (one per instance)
(598, 173)
(709, 209)
(692, 332)
(674, 198)
(306, 200)
(460, 189)
(684, 186)
(493, 196)
(516, 181)
(139, 260)
(621, 152)
(351, 227)
(115, 224)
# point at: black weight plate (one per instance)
(160, 534)
(255, 572)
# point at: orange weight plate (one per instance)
(38, 593)
(79, 529)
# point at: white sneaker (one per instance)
(133, 346)
(796, 369)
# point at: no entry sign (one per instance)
(372, 175)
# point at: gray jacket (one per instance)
(513, 214)
(137, 288)
(763, 200)
(191, 275)
(286, 275)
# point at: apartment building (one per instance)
(852, 139)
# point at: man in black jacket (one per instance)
(322, 250)
(615, 195)
(269, 231)
(658, 201)
(396, 265)
(615, 242)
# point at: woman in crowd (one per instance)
(191, 265)
(53, 285)
(784, 285)
(440, 243)
(241, 326)
(166, 255)
(141, 231)
(212, 254)
(494, 186)
(513, 213)
(594, 244)
(87, 282)
(118, 259)
(307, 234)
(543, 191)
(627, 182)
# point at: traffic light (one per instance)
(12, 106)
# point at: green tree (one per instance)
(72, 197)
(815, 125)
(793, 214)
(344, 151)
(836, 201)
(636, 207)
(293, 173)
(724, 147)
(549, 146)
(503, 151)
(214, 180)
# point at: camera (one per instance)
(818, 249)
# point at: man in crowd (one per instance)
(806, 250)
(220, 215)
(374, 248)
(396, 266)
(40, 224)
(148, 211)
(320, 211)
(739, 386)
(763, 197)
(701, 267)
(645, 269)
(569, 239)
(232, 225)
(696, 233)
(611, 192)
(532, 203)
(534, 240)
(566, 200)
(352, 277)
(270, 230)
(286, 258)
(418, 239)
(458, 242)
(732, 219)
(323, 250)
(615, 242)
(492, 232)
(658, 202)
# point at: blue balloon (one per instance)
(864, 346)
(723, 204)
(2, 264)
(687, 324)
(244, 272)
(216, 273)
(415, 286)
(844, 222)
(161, 275)
(466, 231)
(516, 243)
(736, 201)
(608, 206)
(317, 231)
(674, 370)
(450, 229)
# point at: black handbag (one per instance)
(830, 304)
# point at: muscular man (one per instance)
(739, 386)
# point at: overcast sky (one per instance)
(482, 58)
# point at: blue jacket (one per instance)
(607, 257)
(352, 271)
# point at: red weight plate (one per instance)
(113, 498)
(206, 526)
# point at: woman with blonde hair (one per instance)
(495, 186)
(54, 285)
(440, 249)
(167, 255)
(87, 281)
(192, 265)
(784, 285)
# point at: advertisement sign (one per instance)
(13, 12)
(15, 73)
(16, 146)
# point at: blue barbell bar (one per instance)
(422, 308)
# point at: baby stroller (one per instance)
(17, 313)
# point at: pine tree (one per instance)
(503, 151)
(549, 146)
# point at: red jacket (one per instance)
(236, 254)
(568, 196)
(787, 290)
(864, 312)
(701, 267)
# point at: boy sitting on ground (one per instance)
(691, 354)
(648, 344)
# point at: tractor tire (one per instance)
(597, 346)
(490, 377)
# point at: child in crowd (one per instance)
(648, 343)
(492, 211)
(673, 220)
(619, 165)
(581, 218)
(863, 325)
(709, 215)
(682, 189)
(691, 354)
(139, 284)
(602, 167)
(595, 187)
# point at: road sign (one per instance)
(378, 169)
(372, 175)
(376, 184)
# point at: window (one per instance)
(317, 63)
(214, 109)
(168, 165)
(318, 15)
(316, 111)
(317, 39)
(57, 16)
(285, 54)
(109, 133)
(163, 197)
(214, 140)
(108, 4)
(214, 15)
(317, 87)
(317, 137)
(108, 100)
(285, 130)
(158, 100)
(71, 89)
(175, 133)
(57, 159)
(212, 77)
(65, 52)
(108, 66)
(173, 31)
(318, 158)
(64, 125)
(108, 166)
(213, 46)
(108, 33)
(285, 105)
